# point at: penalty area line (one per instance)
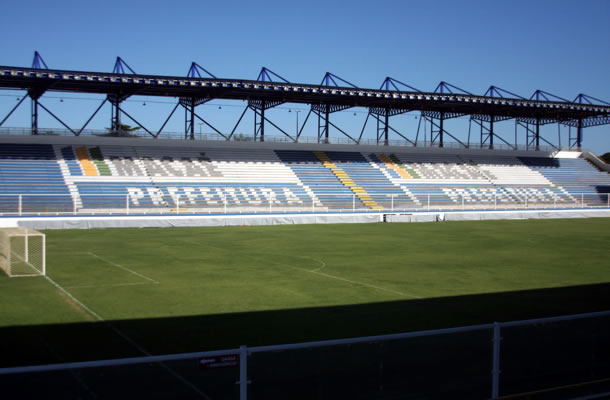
(126, 338)
(358, 283)
(323, 265)
(96, 316)
(109, 285)
(122, 267)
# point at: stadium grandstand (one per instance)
(87, 175)
(148, 301)
(75, 171)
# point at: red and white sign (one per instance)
(227, 361)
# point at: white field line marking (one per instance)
(322, 263)
(123, 268)
(109, 285)
(356, 282)
(127, 338)
(74, 299)
(316, 271)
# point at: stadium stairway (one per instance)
(404, 196)
(377, 182)
(319, 179)
(69, 166)
(346, 180)
(82, 155)
(391, 164)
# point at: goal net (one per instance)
(22, 252)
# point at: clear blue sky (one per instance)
(562, 47)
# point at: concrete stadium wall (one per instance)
(214, 144)
(167, 221)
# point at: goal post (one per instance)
(22, 252)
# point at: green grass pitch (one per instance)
(129, 292)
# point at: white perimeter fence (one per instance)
(560, 357)
(223, 202)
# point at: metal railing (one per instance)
(225, 202)
(274, 139)
(478, 361)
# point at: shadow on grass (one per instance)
(30, 345)
(433, 367)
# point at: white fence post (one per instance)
(353, 202)
(243, 373)
(127, 204)
(313, 205)
(178, 206)
(26, 254)
(44, 255)
(225, 202)
(428, 201)
(608, 196)
(495, 370)
(582, 199)
(495, 201)
(392, 201)
(462, 196)
(19, 205)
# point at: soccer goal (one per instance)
(22, 252)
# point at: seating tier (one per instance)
(65, 177)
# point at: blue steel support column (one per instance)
(326, 135)
(262, 121)
(537, 134)
(440, 133)
(193, 118)
(35, 94)
(491, 131)
(115, 113)
(385, 130)
(34, 116)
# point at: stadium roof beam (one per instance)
(120, 65)
(444, 88)
(119, 95)
(195, 71)
(260, 106)
(486, 121)
(37, 91)
(324, 109)
(190, 103)
(438, 136)
(533, 135)
(447, 100)
(38, 61)
(69, 81)
(382, 114)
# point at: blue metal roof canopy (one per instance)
(447, 100)
(383, 125)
